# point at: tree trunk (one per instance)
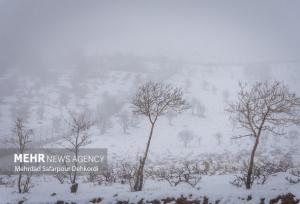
(19, 182)
(20, 175)
(251, 164)
(74, 185)
(76, 164)
(139, 176)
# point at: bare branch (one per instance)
(155, 99)
(265, 107)
(78, 137)
(241, 136)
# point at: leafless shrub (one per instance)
(240, 178)
(7, 180)
(219, 164)
(293, 175)
(125, 173)
(27, 184)
(122, 172)
(92, 177)
(188, 172)
(61, 177)
(107, 176)
(186, 136)
(261, 171)
(124, 120)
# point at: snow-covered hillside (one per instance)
(106, 90)
(44, 101)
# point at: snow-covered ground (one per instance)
(213, 187)
(45, 102)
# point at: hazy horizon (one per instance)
(37, 33)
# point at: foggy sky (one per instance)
(34, 31)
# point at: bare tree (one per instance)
(79, 124)
(197, 108)
(186, 136)
(106, 109)
(22, 139)
(265, 107)
(124, 120)
(170, 116)
(153, 100)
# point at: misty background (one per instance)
(69, 56)
(36, 34)
(57, 56)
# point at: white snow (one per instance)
(205, 83)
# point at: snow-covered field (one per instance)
(213, 187)
(44, 100)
